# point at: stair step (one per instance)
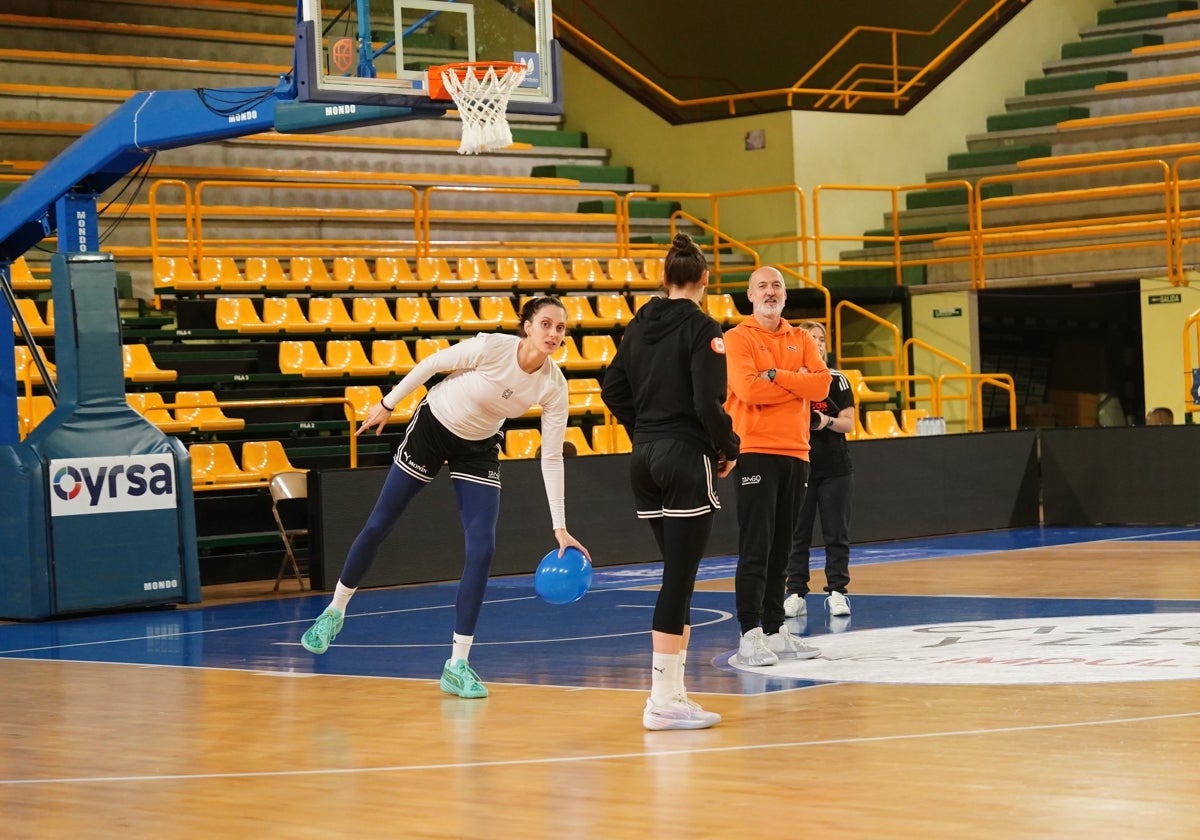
(1110, 46)
(1063, 82)
(1122, 14)
(638, 209)
(559, 139)
(950, 196)
(862, 276)
(997, 157)
(1036, 117)
(916, 230)
(585, 174)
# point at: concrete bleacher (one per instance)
(1127, 92)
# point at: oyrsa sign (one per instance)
(111, 485)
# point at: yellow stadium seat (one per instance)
(721, 309)
(479, 274)
(909, 418)
(354, 273)
(613, 310)
(622, 273)
(349, 358)
(423, 348)
(374, 314)
(140, 366)
(265, 459)
(598, 350)
(586, 273)
(515, 272)
(200, 410)
(311, 273)
(551, 274)
(882, 423)
(583, 396)
(213, 463)
(31, 411)
(863, 393)
(150, 406)
(175, 274)
(610, 439)
(27, 370)
(416, 313)
(408, 405)
(223, 273)
(498, 310)
(457, 310)
(437, 273)
(239, 314)
(393, 354)
(269, 271)
(396, 273)
(574, 436)
(521, 443)
(303, 358)
(652, 274)
(568, 356)
(579, 312)
(285, 315)
(641, 300)
(329, 314)
(361, 398)
(24, 280)
(39, 327)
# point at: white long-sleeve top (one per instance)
(486, 388)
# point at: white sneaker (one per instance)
(678, 713)
(753, 650)
(837, 603)
(794, 606)
(786, 646)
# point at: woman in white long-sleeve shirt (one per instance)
(494, 378)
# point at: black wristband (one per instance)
(385, 405)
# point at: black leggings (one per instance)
(681, 541)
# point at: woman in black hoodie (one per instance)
(667, 384)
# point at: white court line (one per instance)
(461, 765)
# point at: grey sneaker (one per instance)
(837, 603)
(678, 713)
(753, 650)
(794, 606)
(316, 639)
(786, 646)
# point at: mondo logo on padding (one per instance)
(67, 483)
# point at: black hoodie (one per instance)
(668, 378)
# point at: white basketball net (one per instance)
(482, 103)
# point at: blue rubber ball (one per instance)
(563, 580)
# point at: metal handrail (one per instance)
(899, 92)
(1192, 325)
(999, 380)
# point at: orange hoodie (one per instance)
(772, 417)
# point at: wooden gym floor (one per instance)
(1036, 683)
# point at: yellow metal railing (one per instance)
(842, 360)
(1191, 359)
(898, 82)
(974, 397)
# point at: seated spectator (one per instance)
(1160, 416)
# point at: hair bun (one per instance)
(681, 241)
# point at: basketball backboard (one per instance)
(376, 52)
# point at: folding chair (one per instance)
(289, 495)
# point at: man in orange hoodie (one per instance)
(774, 370)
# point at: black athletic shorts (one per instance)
(673, 478)
(427, 444)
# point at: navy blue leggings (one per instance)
(479, 509)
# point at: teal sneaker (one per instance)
(460, 679)
(316, 639)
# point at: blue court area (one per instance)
(601, 641)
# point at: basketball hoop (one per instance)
(480, 90)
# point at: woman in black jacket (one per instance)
(667, 384)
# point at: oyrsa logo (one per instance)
(110, 485)
(67, 483)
